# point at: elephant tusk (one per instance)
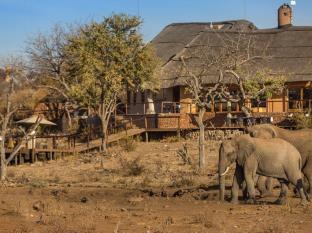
(226, 171)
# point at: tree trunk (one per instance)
(104, 137)
(221, 169)
(3, 167)
(70, 125)
(201, 139)
(104, 141)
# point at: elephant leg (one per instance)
(307, 171)
(237, 183)
(297, 181)
(249, 173)
(283, 194)
(265, 186)
(269, 185)
(244, 190)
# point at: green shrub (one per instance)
(302, 120)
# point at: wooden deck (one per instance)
(32, 155)
(93, 144)
(55, 146)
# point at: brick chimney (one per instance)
(284, 16)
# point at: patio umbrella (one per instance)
(33, 120)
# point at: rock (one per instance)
(38, 206)
(84, 200)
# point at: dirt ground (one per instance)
(152, 188)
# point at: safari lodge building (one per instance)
(290, 51)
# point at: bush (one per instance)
(183, 181)
(132, 167)
(302, 120)
(128, 144)
(183, 154)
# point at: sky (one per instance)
(21, 20)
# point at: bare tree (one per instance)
(47, 63)
(16, 94)
(229, 66)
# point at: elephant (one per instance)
(267, 157)
(301, 139)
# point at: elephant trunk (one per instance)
(222, 171)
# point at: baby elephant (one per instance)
(268, 157)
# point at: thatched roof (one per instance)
(290, 48)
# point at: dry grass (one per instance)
(171, 139)
(147, 190)
(183, 181)
(184, 155)
(22, 229)
(207, 222)
(128, 144)
(132, 167)
(16, 211)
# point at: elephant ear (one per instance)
(245, 150)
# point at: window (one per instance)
(143, 97)
(294, 94)
(307, 94)
(134, 98)
(294, 98)
(307, 98)
(128, 97)
(260, 102)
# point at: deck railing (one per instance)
(268, 106)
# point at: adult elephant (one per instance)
(272, 158)
(301, 139)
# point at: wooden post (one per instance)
(20, 157)
(146, 136)
(144, 108)
(126, 128)
(32, 150)
(162, 106)
(301, 98)
(145, 122)
(115, 120)
(179, 129)
(126, 109)
(88, 139)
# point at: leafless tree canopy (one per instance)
(47, 58)
(226, 60)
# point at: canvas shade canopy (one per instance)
(33, 119)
